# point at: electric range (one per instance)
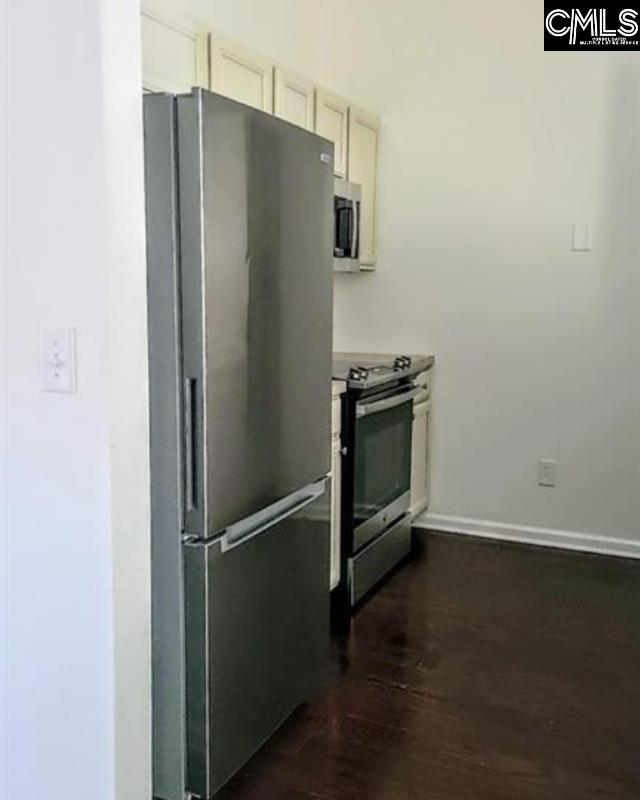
(377, 426)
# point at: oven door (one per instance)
(382, 468)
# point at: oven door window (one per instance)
(382, 460)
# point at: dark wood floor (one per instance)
(480, 671)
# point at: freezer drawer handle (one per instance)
(263, 521)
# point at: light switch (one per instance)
(547, 473)
(58, 360)
(581, 239)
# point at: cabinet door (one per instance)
(420, 459)
(336, 506)
(174, 58)
(294, 98)
(240, 74)
(332, 122)
(364, 135)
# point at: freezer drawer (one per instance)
(257, 632)
(373, 562)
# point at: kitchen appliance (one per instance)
(240, 315)
(376, 483)
(346, 218)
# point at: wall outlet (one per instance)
(581, 238)
(547, 473)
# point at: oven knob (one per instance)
(358, 373)
(399, 363)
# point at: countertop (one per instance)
(338, 388)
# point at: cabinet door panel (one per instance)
(240, 74)
(420, 459)
(332, 122)
(364, 135)
(294, 98)
(336, 509)
(174, 58)
(336, 418)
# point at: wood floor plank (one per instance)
(480, 671)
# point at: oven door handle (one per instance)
(364, 409)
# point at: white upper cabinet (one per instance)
(177, 57)
(240, 74)
(294, 98)
(174, 57)
(332, 122)
(364, 135)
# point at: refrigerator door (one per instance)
(166, 487)
(256, 199)
(257, 632)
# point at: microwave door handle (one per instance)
(350, 228)
(364, 409)
(344, 229)
(355, 229)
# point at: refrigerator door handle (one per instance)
(191, 455)
(261, 522)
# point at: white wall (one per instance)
(73, 468)
(491, 150)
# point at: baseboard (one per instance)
(544, 537)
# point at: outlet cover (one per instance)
(547, 473)
(581, 238)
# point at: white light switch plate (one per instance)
(581, 238)
(58, 360)
(547, 473)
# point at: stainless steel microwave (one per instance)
(346, 213)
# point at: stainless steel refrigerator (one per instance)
(239, 237)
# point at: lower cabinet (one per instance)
(336, 491)
(336, 506)
(420, 455)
